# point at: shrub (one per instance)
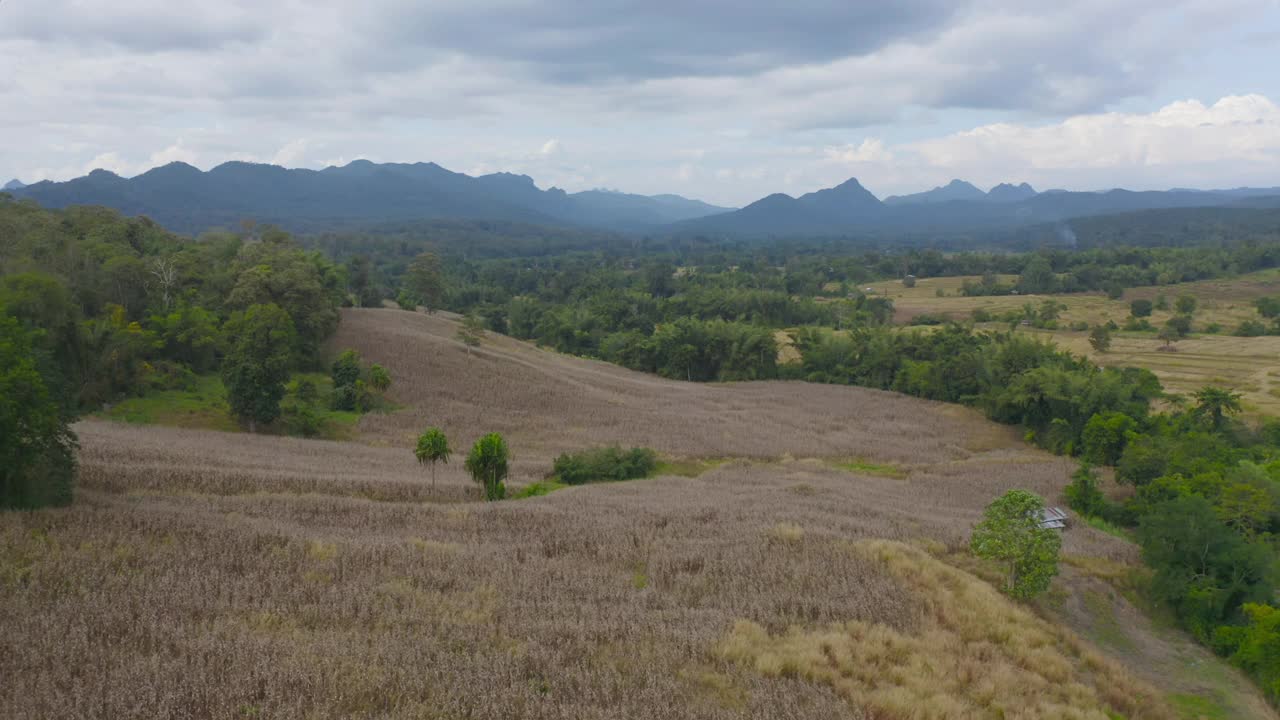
(1251, 328)
(346, 369)
(605, 464)
(1083, 494)
(1140, 308)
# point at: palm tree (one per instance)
(1216, 404)
(433, 447)
(487, 464)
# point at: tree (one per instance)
(345, 371)
(909, 281)
(1083, 494)
(487, 464)
(37, 447)
(425, 282)
(256, 366)
(433, 447)
(1010, 534)
(1215, 404)
(166, 274)
(1185, 304)
(379, 378)
(1037, 277)
(1203, 569)
(1140, 308)
(471, 331)
(1100, 338)
(1169, 335)
(1268, 307)
(1105, 437)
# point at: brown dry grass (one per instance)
(972, 654)
(208, 575)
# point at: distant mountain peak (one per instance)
(100, 174)
(955, 190)
(14, 184)
(1008, 192)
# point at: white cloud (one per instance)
(1235, 140)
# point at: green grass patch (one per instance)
(203, 406)
(538, 489)
(1109, 528)
(1106, 628)
(687, 467)
(860, 466)
(1198, 707)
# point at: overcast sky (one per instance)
(723, 100)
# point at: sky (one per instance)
(725, 101)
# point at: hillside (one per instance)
(185, 199)
(223, 575)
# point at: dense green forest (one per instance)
(98, 307)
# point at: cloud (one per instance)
(586, 42)
(1234, 140)
(769, 94)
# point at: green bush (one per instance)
(1251, 328)
(605, 464)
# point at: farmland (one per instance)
(208, 574)
(1244, 364)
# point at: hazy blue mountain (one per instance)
(185, 199)
(952, 208)
(363, 193)
(954, 190)
(1007, 192)
(14, 184)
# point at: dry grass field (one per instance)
(210, 575)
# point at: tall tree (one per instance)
(425, 281)
(1010, 533)
(433, 447)
(37, 447)
(471, 331)
(1216, 404)
(257, 362)
(487, 464)
(1100, 338)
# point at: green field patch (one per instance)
(538, 489)
(203, 406)
(860, 466)
(688, 467)
(1198, 707)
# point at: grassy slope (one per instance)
(224, 575)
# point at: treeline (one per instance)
(106, 307)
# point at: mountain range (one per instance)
(14, 184)
(186, 199)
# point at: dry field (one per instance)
(1227, 302)
(1249, 365)
(207, 575)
